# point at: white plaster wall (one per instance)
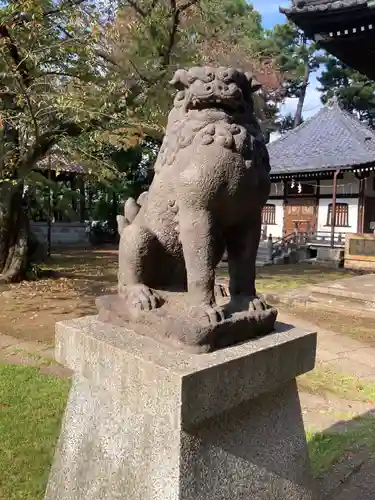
(348, 185)
(277, 229)
(353, 215)
(277, 189)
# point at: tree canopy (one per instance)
(69, 67)
(297, 59)
(355, 91)
(87, 74)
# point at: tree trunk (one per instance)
(14, 233)
(302, 97)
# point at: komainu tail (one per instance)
(131, 209)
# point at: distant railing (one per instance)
(284, 245)
(300, 239)
(325, 238)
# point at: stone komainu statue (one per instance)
(210, 185)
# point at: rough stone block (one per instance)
(330, 256)
(144, 422)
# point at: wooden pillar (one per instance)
(54, 211)
(82, 199)
(317, 201)
(285, 205)
(73, 187)
(49, 216)
(361, 205)
(333, 216)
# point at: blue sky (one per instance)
(270, 11)
(271, 16)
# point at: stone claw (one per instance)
(221, 290)
(143, 298)
(257, 304)
(213, 313)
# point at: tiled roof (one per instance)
(300, 6)
(57, 160)
(332, 139)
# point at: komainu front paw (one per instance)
(245, 303)
(212, 314)
(221, 290)
(257, 305)
(141, 297)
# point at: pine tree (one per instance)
(355, 91)
(297, 59)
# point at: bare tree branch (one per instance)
(57, 10)
(30, 107)
(45, 141)
(176, 13)
(187, 5)
(13, 52)
(138, 9)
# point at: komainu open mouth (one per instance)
(217, 104)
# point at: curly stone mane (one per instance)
(195, 119)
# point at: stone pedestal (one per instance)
(145, 422)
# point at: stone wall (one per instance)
(63, 234)
(360, 251)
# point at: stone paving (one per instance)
(343, 354)
(354, 477)
(14, 351)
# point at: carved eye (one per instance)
(226, 77)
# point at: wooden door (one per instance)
(300, 212)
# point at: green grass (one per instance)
(40, 360)
(286, 277)
(31, 408)
(278, 278)
(327, 448)
(322, 380)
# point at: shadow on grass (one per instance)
(90, 272)
(341, 450)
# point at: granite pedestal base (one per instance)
(146, 423)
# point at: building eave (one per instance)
(316, 7)
(323, 173)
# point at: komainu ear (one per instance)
(254, 84)
(180, 79)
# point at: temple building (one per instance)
(344, 28)
(323, 167)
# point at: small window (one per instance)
(342, 215)
(269, 214)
